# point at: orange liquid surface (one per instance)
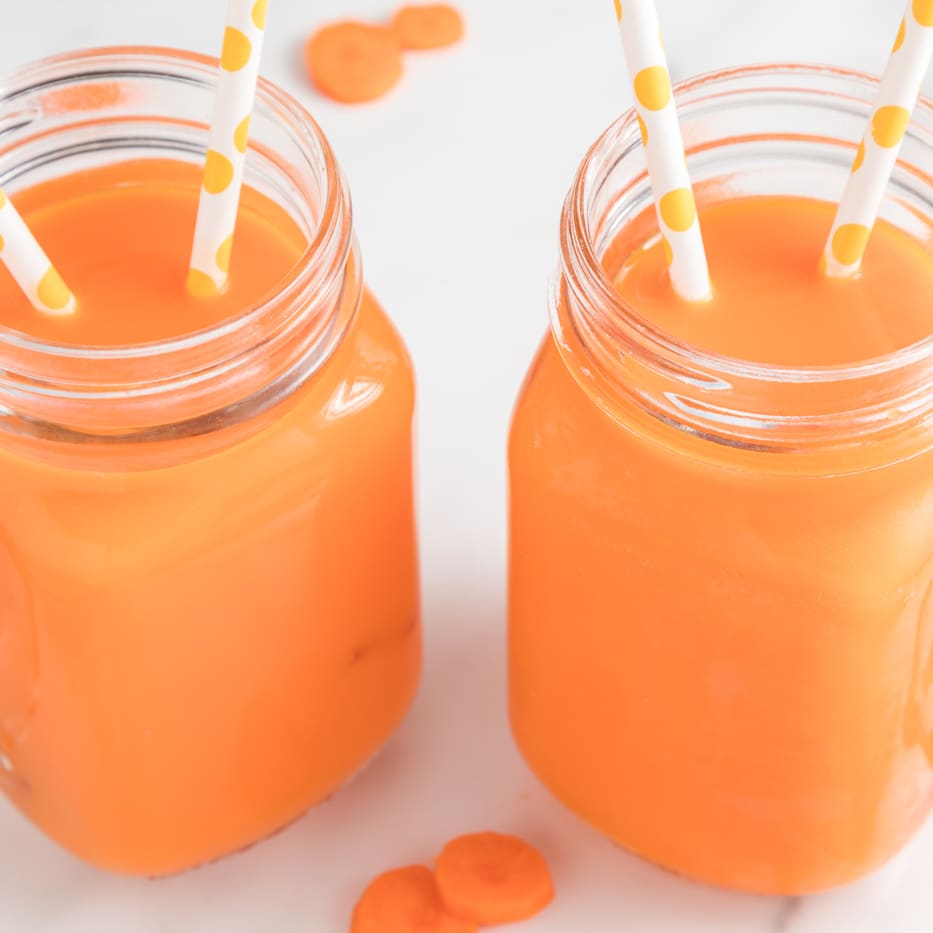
(772, 304)
(723, 658)
(193, 654)
(121, 238)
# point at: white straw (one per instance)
(226, 153)
(878, 151)
(28, 264)
(664, 148)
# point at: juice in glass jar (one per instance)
(721, 570)
(208, 579)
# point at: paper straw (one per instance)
(28, 264)
(877, 154)
(226, 152)
(664, 148)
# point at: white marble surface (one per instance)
(458, 180)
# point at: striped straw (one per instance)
(878, 151)
(664, 148)
(226, 152)
(28, 264)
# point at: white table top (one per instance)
(457, 180)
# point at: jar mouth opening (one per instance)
(331, 233)
(609, 148)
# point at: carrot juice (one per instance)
(208, 582)
(721, 571)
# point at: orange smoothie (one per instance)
(202, 639)
(721, 654)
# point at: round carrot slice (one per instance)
(427, 27)
(405, 901)
(353, 62)
(490, 879)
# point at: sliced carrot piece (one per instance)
(491, 878)
(427, 27)
(405, 901)
(353, 62)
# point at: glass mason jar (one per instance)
(208, 585)
(721, 573)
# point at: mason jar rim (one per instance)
(187, 67)
(589, 270)
(70, 402)
(737, 121)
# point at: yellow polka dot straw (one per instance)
(664, 148)
(877, 154)
(28, 264)
(226, 147)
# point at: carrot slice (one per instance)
(427, 27)
(491, 878)
(353, 62)
(405, 901)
